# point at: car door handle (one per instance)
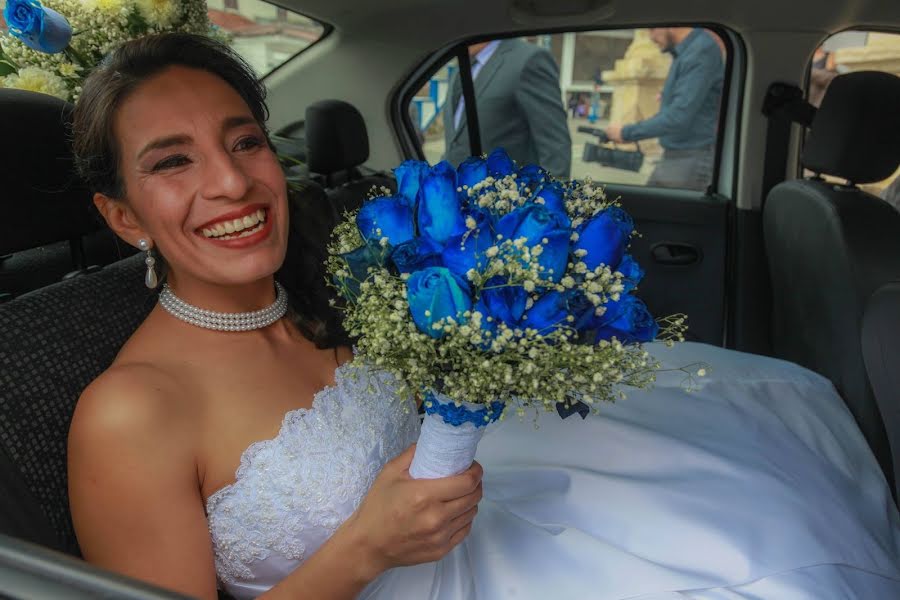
(674, 253)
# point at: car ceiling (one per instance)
(439, 21)
(375, 45)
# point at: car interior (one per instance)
(785, 253)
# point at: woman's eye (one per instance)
(176, 160)
(248, 143)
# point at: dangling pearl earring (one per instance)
(150, 279)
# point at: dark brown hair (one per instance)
(97, 157)
(96, 150)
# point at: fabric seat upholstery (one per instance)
(830, 245)
(881, 351)
(53, 343)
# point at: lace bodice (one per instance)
(293, 491)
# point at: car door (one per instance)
(553, 99)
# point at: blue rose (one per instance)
(531, 177)
(466, 251)
(553, 195)
(632, 273)
(628, 320)
(471, 171)
(552, 310)
(410, 175)
(415, 255)
(439, 213)
(358, 263)
(388, 216)
(605, 237)
(441, 294)
(499, 164)
(504, 303)
(39, 28)
(537, 223)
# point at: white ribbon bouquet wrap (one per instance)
(493, 288)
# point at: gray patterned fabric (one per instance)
(53, 343)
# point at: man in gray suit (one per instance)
(519, 106)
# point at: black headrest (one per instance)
(855, 134)
(336, 137)
(43, 199)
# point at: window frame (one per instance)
(405, 130)
(327, 28)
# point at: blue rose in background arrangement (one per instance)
(390, 217)
(38, 27)
(605, 238)
(435, 293)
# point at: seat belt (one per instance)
(783, 105)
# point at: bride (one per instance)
(245, 449)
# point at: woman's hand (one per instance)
(406, 521)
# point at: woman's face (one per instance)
(200, 178)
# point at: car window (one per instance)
(634, 106)
(857, 50)
(266, 35)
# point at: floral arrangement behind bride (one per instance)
(52, 46)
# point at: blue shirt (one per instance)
(689, 111)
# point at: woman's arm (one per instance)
(138, 510)
(133, 482)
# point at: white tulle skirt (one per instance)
(756, 485)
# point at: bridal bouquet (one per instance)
(51, 47)
(491, 288)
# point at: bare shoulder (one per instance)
(128, 400)
(133, 483)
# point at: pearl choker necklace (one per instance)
(239, 321)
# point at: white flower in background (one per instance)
(106, 6)
(68, 70)
(159, 13)
(34, 79)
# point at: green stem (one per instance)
(77, 58)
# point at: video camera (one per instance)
(628, 160)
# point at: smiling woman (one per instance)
(170, 134)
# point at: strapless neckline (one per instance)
(254, 448)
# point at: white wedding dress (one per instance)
(757, 485)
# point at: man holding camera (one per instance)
(687, 121)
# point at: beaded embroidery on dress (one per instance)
(293, 491)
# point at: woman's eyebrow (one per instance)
(177, 139)
(164, 142)
(237, 121)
